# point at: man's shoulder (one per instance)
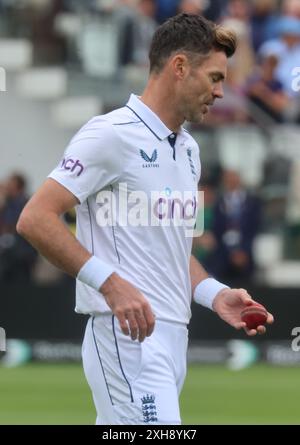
(121, 117)
(106, 130)
(110, 122)
(104, 124)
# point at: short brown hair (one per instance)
(192, 34)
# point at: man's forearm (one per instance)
(204, 288)
(197, 273)
(48, 234)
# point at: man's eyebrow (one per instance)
(218, 74)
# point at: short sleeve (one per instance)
(92, 161)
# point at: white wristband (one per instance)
(94, 272)
(207, 290)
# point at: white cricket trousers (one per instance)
(135, 383)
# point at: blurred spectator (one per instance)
(214, 9)
(191, 6)
(14, 200)
(17, 257)
(211, 9)
(291, 8)
(144, 28)
(125, 15)
(266, 92)
(165, 9)
(239, 10)
(264, 22)
(2, 204)
(39, 16)
(137, 26)
(287, 50)
(236, 221)
(243, 61)
(206, 243)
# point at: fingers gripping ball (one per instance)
(254, 315)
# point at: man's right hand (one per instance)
(129, 306)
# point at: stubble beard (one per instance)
(196, 118)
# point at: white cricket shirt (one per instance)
(132, 151)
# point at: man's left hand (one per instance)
(229, 303)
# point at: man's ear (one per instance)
(180, 65)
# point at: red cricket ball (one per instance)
(254, 315)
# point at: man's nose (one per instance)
(218, 91)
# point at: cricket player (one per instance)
(132, 175)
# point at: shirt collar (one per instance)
(148, 117)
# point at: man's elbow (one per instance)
(25, 224)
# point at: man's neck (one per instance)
(161, 100)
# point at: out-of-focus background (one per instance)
(64, 61)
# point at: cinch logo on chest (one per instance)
(150, 162)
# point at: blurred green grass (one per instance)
(59, 395)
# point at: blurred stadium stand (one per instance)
(15, 54)
(31, 84)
